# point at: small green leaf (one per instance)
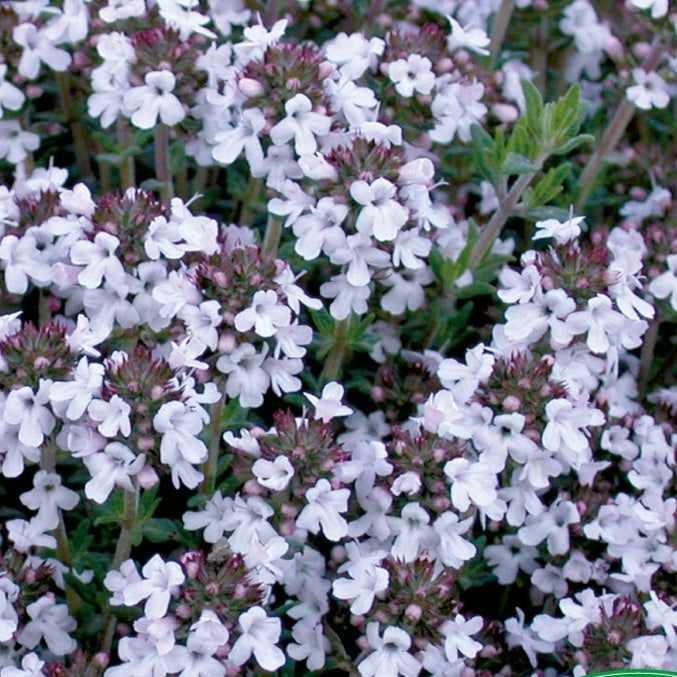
(323, 322)
(520, 142)
(572, 143)
(517, 164)
(534, 106)
(161, 530)
(543, 213)
(548, 187)
(475, 289)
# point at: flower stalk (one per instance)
(613, 133)
(334, 362)
(162, 166)
(211, 465)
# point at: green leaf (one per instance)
(323, 322)
(161, 530)
(517, 164)
(464, 256)
(485, 157)
(572, 143)
(233, 415)
(111, 511)
(543, 213)
(548, 187)
(520, 142)
(80, 540)
(534, 107)
(475, 289)
(445, 270)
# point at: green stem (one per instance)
(182, 181)
(271, 240)
(646, 356)
(200, 180)
(346, 663)
(44, 313)
(506, 209)
(123, 550)
(124, 140)
(130, 514)
(162, 173)
(63, 553)
(249, 202)
(539, 52)
(211, 465)
(613, 133)
(334, 362)
(72, 118)
(499, 29)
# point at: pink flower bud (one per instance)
(505, 112)
(252, 488)
(101, 659)
(226, 343)
(413, 612)
(325, 69)
(147, 477)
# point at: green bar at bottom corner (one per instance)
(634, 673)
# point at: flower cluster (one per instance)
(337, 337)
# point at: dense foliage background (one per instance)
(337, 337)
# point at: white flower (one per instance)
(309, 644)
(367, 580)
(76, 395)
(265, 314)
(214, 518)
(322, 511)
(649, 92)
(113, 416)
(390, 656)
(381, 215)
(457, 634)
(659, 8)
(455, 109)
(26, 535)
(566, 425)
(562, 232)
(598, 320)
(328, 405)
(354, 53)
(161, 581)
(37, 49)
(244, 136)
(552, 525)
(30, 412)
(665, 285)
(463, 37)
(274, 475)
(154, 99)
(412, 75)
(22, 263)
(259, 636)
(31, 666)
(48, 496)
(49, 621)
(453, 549)
(179, 424)
(11, 97)
(347, 297)
(246, 377)
(471, 482)
(301, 124)
(110, 467)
